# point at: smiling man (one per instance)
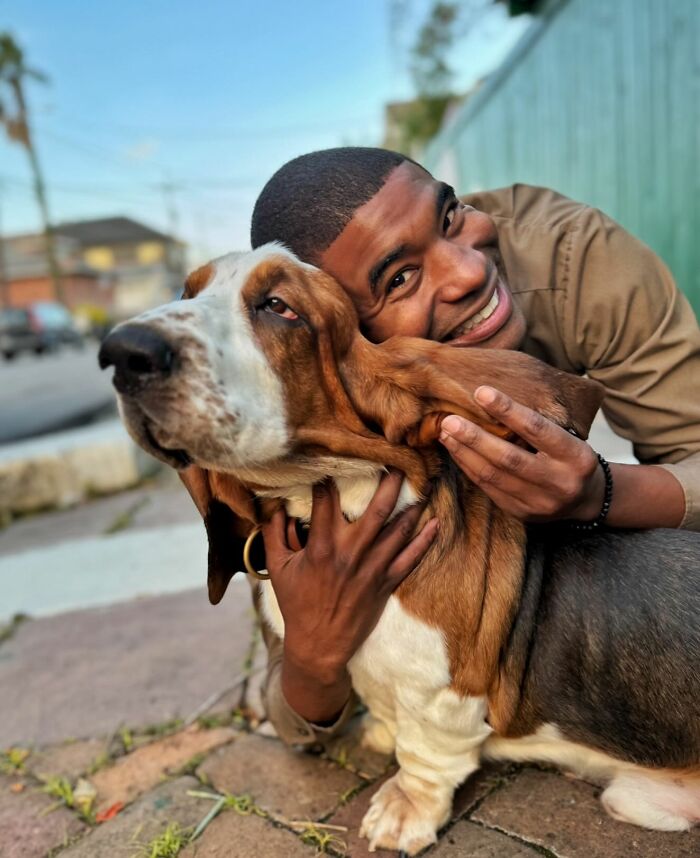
(517, 268)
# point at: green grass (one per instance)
(168, 844)
(8, 630)
(313, 835)
(12, 760)
(125, 519)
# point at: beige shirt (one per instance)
(596, 301)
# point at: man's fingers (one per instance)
(322, 512)
(406, 561)
(492, 458)
(274, 533)
(368, 526)
(292, 535)
(540, 432)
(396, 535)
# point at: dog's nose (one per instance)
(139, 356)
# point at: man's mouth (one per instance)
(484, 323)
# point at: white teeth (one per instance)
(484, 313)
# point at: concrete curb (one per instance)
(65, 468)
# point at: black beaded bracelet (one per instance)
(607, 500)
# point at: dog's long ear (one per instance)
(229, 515)
(408, 385)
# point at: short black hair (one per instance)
(310, 200)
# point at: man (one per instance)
(518, 268)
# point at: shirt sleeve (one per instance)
(627, 325)
(290, 726)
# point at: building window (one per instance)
(149, 252)
(101, 258)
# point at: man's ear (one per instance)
(408, 385)
(229, 515)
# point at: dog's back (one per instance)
(615, 660)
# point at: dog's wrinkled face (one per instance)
(261, 375)
(203, 380)
(264, 359)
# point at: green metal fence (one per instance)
(601, 101)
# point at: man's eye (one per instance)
(450, 215)
(399, 280)
(279, 308)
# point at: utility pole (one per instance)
(4, 282)
(173, 260)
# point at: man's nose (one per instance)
(140, 356)
(461, 270)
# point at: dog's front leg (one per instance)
(437, 747)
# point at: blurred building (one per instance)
(148, 266)
(599, 101)
(25, 277)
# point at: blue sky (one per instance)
(208, 97)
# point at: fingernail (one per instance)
(485, 395)
(450, 424)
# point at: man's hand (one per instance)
(332, 592)
(560, 478)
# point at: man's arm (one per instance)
(608, 307)
(331, 594)
(561, 477)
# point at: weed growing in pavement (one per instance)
(61, 789)
(8, 630)
(76, 799)
(211, 722)
(168, 844)
(324, 840)
(125, 519)
(191, 765)
(241, 804)
(12, 760)
(127, 738)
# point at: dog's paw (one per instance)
(662, 804)
(376, 736)
(407, 822)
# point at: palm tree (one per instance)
(13, 73)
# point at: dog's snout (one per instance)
(139, 356)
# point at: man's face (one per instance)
(417, 262)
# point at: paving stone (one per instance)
(350, 816)
(348, 748)
(86, 673)
(565, 817)
(137, 772)
(288, 784)
(128, 833)
(478, 785)
(69, 760)
(233, 836)
(27, 830)
(467, 840)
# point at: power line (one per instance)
(250, 132)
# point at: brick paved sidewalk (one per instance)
(116, 794)
(129, 725)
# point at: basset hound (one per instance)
(508, 642)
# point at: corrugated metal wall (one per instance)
(601, 101)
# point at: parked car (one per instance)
(39, 327)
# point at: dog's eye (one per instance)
(279, 308)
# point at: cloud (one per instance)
(143, 150)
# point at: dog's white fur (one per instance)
(401, 671)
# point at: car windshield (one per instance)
(52, 315)
(12, 318)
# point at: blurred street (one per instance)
(49, 392)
